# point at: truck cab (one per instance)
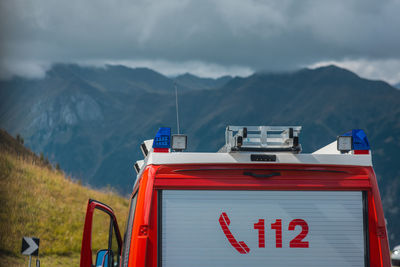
(258, 201)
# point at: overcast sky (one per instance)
(207, 38)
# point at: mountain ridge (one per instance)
(198, 83)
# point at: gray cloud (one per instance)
(253, 34)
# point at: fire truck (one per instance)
(258, 201)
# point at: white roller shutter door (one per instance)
(242, 228)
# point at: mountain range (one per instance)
(92, 120)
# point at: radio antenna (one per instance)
(177, 107)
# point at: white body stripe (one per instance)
(327, 155)
(287, 158)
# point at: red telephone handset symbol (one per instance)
(240, 246)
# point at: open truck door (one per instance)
(101, 241)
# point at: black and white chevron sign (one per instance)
(30, 246)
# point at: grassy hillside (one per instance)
(39, 201)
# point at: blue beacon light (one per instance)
(162, 140)
(360, 141)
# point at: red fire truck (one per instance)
(258, 201)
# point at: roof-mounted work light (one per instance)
(138, 165)
(179, 142)
(344, 143)
(146, 147)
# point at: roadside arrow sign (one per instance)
(30, 246)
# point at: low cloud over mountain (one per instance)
(231, 36)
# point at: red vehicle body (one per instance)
(142, 239)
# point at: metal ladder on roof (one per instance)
(262, 139)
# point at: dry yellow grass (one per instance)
(37, 201)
